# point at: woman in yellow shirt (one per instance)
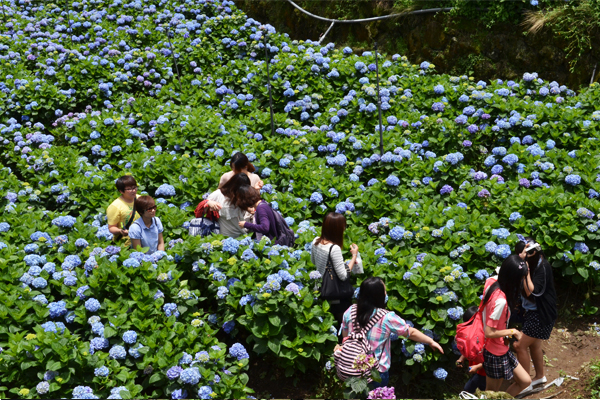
(119, 211)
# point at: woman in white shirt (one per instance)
(240, 164)
(331, 242)
(224, 200)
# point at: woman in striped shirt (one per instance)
(330, 244)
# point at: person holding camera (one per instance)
(538, 299)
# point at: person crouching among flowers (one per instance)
(147, 231)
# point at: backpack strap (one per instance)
(355, 325)
(374, 320)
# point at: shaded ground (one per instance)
(573, 346)
(568, 353)
(270, 382)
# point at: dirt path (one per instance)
(568, 353)
(573, 346)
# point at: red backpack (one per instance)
(470, 337)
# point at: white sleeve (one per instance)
(338, 263)
(498, 309)
(217, 196)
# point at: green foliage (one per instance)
(430, 248)
(577, 24)
(594, 382)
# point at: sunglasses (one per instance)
(151, 208)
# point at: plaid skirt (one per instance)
(499, 367)
(533, 327)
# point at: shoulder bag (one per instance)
(332, 287)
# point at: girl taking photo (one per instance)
(538, 299)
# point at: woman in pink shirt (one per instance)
(500, 296)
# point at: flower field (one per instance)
(167, 91)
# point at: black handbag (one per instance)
(332, 287)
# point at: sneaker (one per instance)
(539, 381)
(534, 383)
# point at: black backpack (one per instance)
(285, 236)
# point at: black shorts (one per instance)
(533, 327)
(339, 307)
(499, 367)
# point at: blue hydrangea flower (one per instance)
(92, 305)
(222, 292)
(503, 251)
(482, 275)
(397, 233)
(39, 283)
(179, 393)
(83, 392)
(131, 263)
(455, 313)
(440, 374)
(573, 179)
(392, 180)
(102, 371)
(316, 198)
(171, 309)
(57, 309)
(581, 247)
(174, 372)
(446, 189)
(228, 326)
(238, 351)
(117, 352)
(514, 216)
(130, 337)
(231, 245)
(190, 376)
(205, 392)
(64, 221)
(165, 190)
(43, 387)
(491, 247)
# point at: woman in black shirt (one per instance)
(539, 301)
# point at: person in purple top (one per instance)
(263, 215)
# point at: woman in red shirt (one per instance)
(500, 296)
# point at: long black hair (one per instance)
(510, 280)
(520, 246)
(370, 297)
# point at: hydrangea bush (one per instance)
(168, 91)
